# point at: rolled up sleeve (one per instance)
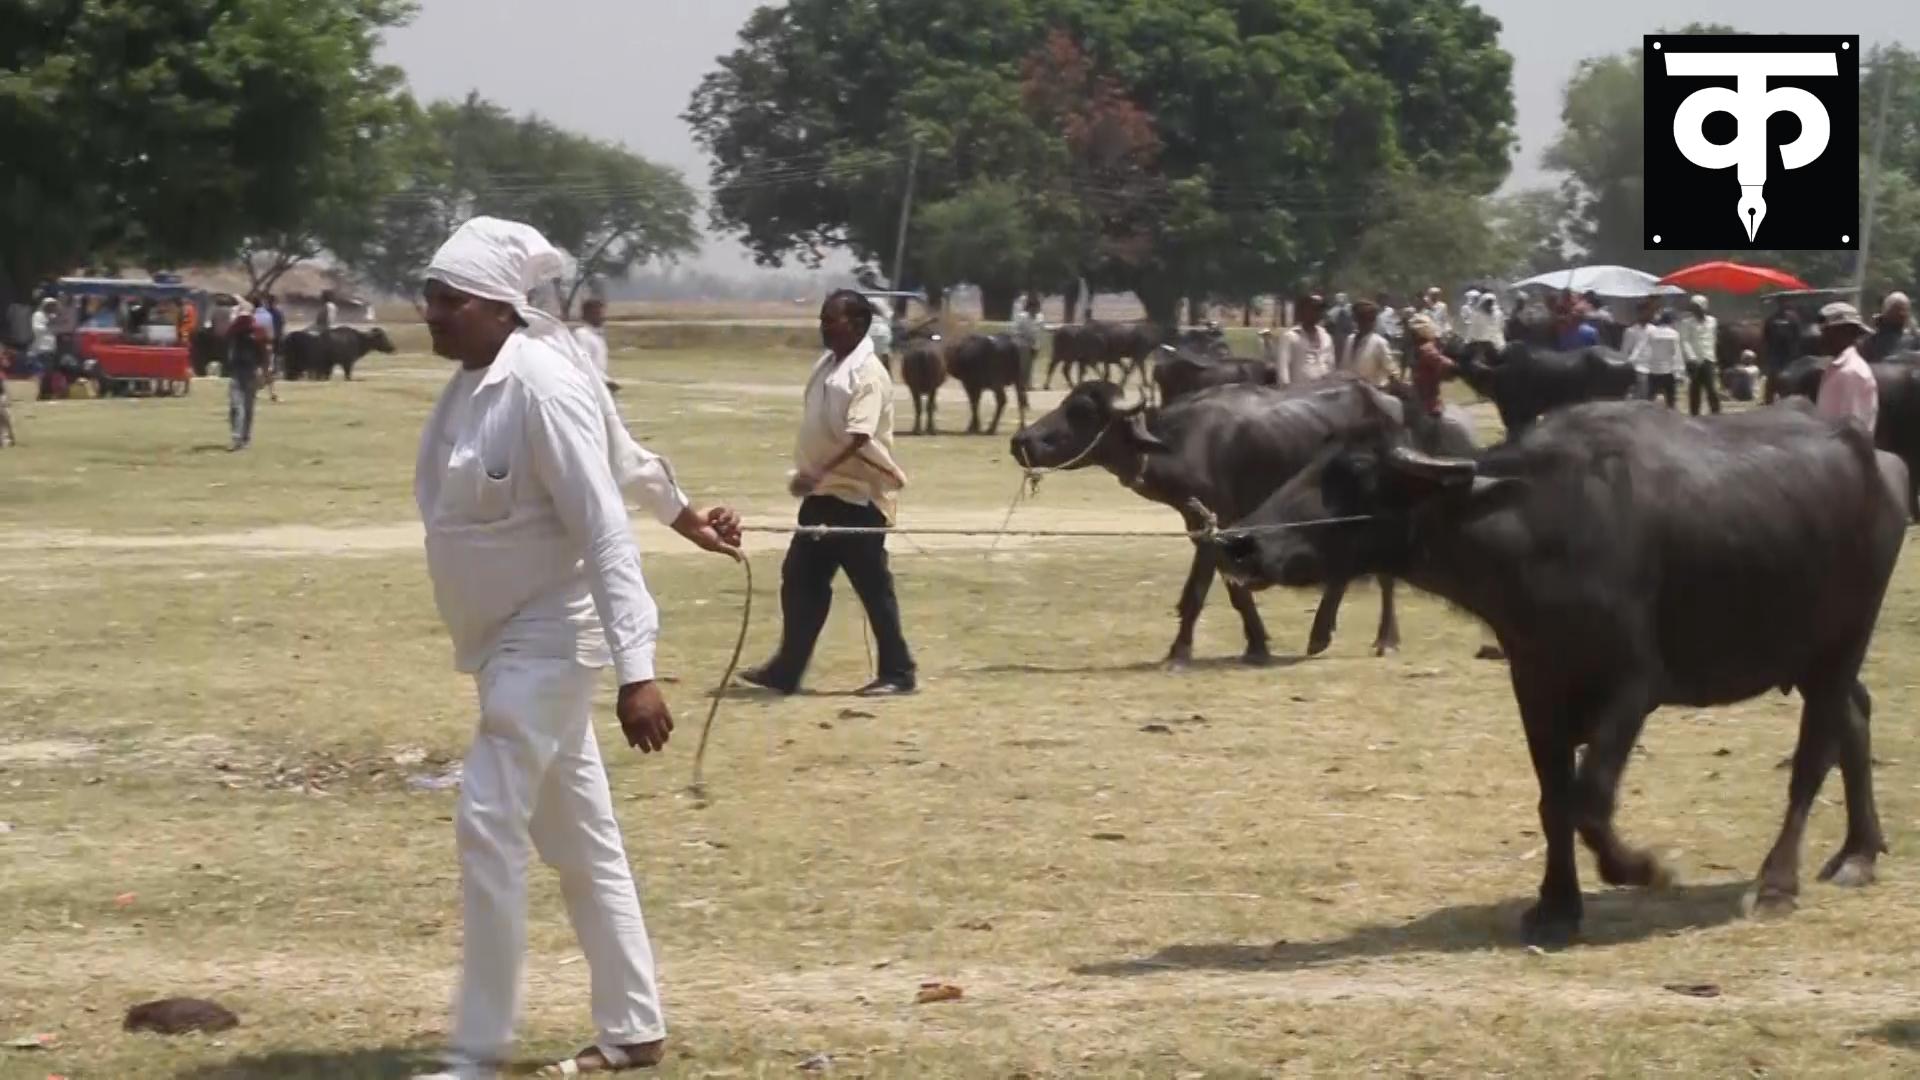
(569, 456)
(863, 411)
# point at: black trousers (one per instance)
(806, 588)
(1703, 378)
(1662, 386)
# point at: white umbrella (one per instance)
(1622, 282)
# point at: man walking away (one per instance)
(593, 339)
(1699, 341)
(1779, 344)
(845, 477)
(1848, 390)
(1658, 352)
(1026, 331)
(246, 346)
(1630, 339)
(518, 479)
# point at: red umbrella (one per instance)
(1732, 277)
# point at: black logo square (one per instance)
(1733, 155)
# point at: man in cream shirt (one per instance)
(593, 339)
(519, 479)
(845, 477)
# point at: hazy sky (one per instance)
(623, 69)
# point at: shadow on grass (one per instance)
(1612, 918)
(1137, 667)
(381, 1063)
(1900, 1034)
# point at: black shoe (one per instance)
(758, 677)
(895, 687)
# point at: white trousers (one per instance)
(533, 779)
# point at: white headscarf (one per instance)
(500, 260)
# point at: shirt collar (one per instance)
(1841, 360)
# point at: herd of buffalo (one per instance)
(1625, 555)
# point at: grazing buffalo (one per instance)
(923, 367)
(1524, 382)
(983, 363)
(1627, 558)
(1224, 449)
(1078, 350)
(1075, 349)
(1178, 373)
(312, 354)
(1897, 428)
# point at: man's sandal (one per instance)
(608, 1059)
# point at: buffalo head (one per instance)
(1084, 427)
(1352, 512)
(377, 340)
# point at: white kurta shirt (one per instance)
(593, 342)
(1306, 355)
(528, 542)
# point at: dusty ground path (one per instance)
(982, 526)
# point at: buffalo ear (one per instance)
(1138, 437)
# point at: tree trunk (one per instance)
(1246, 313)
(1163, 306)
(1088, 313)
(1070, 296)
(997, 301)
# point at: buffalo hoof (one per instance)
(1319, 643)
(1548, 931)
(1490, 652)
(1178, 660)
(1636, 870)
(1257, 658)
(1386, 648)
(1770, 902)
(1848, 870)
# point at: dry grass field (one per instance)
(224, 693)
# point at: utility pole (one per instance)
(906, 211)
(1873, 183)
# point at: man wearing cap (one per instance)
(1893, 334)
(1436, 310)
(1699, 340)
(1847, 387)
(1307, 350)
(1368, 354)
(535, 572)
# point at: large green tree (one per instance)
(172, 132)
(611, 209)
(1275, 124)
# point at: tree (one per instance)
(1276, 120)
(1530, 233)
(168, 133)
(1424, 235)
(610, 209)
(981, 235)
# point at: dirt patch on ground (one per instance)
(930, 530)
(42, 751)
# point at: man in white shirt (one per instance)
(593, 339)
(1699, 341)
(536, 575)
(1657, 352)
(1486, 322)
(41, 348)
(1369, 355)
(1630, 344)
(1436, 310)
(845, 476)
(1306, 353)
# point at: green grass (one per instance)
(1313, 869)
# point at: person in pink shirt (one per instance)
(1847, 387)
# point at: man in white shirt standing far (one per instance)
(593, 338)
(1436, 310)
(1699, 342)
(1307, 353)
(535, 572)
(1369, 355)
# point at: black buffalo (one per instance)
(923, 367)
(1224, 449)
(1628, 557)
(1079, 350)
(988, 363)
(1897, 427)
(312, 354)
(1179, 373)
(1524, 382)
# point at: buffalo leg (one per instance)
(1611, 733)
(1853, 864)
(1555, 917)
(973, 402)
(1387, 641)
(1056, 364)
(917, 410)
(999, 409)
(1192, 598)
(1326, 618)
(933, 398)
(1256, 630)
(1020, 396)
(1823, 713)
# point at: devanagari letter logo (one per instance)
(1751, 104)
